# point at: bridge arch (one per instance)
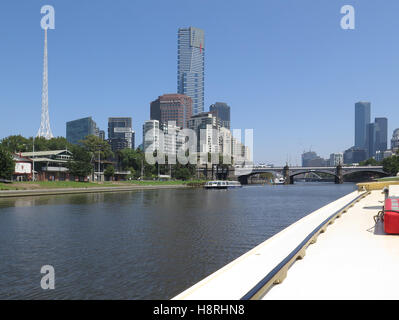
(329, 172)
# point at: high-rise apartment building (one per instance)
(381, 134)
(79, 129)
(175, 108)
(225, 142)
(120, 133)
(190, 66)
(206, 128)
(222, 112)
(151, 136)
(173, 141)
(362, 119)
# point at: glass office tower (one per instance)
(77, 130)
(222, 111)
(381, 135)
(362, 119)
(190, 66)
(120, 133)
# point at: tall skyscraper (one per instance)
(370, 139)
(222, 112)
(381, 134)
(120, 133)
(77, 130)
(45, 130)
(190, 66)
(362, 119)
(172, 107)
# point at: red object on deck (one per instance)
(391, 216)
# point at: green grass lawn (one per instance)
(6, 186)
(157, 183)
(26, 185)
(72, 184)
(389, 179)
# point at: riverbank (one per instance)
(20, 189)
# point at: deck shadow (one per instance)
(373, 207)
(379, 229)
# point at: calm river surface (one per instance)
(148, 244)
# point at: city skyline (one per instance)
(269, 93)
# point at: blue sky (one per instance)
(286, 68)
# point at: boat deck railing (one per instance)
(279, 273)
(252, 275)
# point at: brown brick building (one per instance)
(172, 107)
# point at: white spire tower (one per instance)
(45, 130)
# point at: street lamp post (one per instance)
(33, 160)
(99, 163)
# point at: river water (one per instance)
(149, 244)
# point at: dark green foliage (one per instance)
(80, 166)
(96, 146)
(7, 164)
(370, 162)
(391, 165)
(109, 171)
(19, 143)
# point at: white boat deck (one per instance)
(348, 261)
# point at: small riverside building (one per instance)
(23, 168)
(50, 165)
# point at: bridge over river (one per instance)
(290, 172)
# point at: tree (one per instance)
(391, 165)
(80, 166)
(133, 173)
(370, 162)
(109, 171)
(7, 164)
(58, 143)
(96, 146)
(182, 173)
(15, 143)
(129, 158)
(19, 143)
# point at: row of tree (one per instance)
(18, 143)
(390, 164)
(87, 154)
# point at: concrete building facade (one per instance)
(172, 107)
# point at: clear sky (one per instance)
(286, 68)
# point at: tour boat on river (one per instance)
(219, 184)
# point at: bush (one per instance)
(109, 171)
